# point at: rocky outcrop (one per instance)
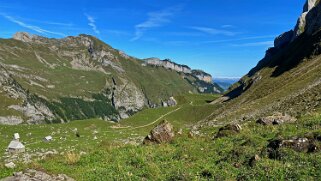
(301, 23)
(168, 65)
(276, 119)
(169, 103)
(24, 37)
(201, 80)
(309, 4)
(203, 76)
(199, 74)
(10, 120)
(30, 175)
(30, 38)
(127, 98)
(227, 130)
(162, 133)
(33, 109)
(309, 21)
(313, 19)
(299, 144)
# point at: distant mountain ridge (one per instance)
(81, 77)
(226, 83)
(168, 64)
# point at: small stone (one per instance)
(10, 165)
(254, 159)
(180, 132)
(193, 133)
(237, 165)
(17, 174)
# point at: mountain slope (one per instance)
(286, 80)
(58, 80)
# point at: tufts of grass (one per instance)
(72, 158)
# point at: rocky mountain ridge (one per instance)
(309, 21)
(168, 64)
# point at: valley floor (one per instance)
(198, 157)
(95, 133)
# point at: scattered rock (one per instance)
(254, 159)
(206, 174)
(34, 175)
(228, 130)
(162, 133)
(276, 119)
(180, 131)
(171, 102)
(10, 165)
(193, 133)
(237, 165)
(298, 144)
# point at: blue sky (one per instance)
(223, 37)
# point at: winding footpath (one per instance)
(161, 117)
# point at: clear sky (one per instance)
(223, 37)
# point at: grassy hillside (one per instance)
(65, 75)
(197, 158)
(132, 129)
(287, 81)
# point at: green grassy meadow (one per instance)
(185, 158)
(135, 127)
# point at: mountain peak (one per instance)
(309, 4)
(309, 22)
(24, 36)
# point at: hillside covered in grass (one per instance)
(95, 132)
(286, 80)
(118, 152)
(267, 126)
(58, 80)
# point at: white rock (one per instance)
(10, 165)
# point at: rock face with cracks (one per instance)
(49, 80)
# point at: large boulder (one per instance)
(229, 129)
(162, 133)
(299, 144)
(276, 119)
